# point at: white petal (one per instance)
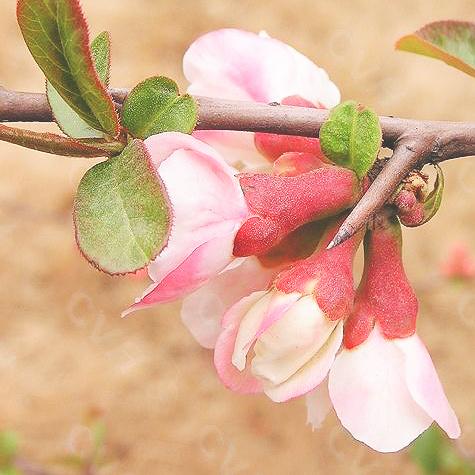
(318, 404)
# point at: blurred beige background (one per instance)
(63, 348)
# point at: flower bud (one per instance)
(281, 204)
(384, 294)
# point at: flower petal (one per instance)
(232, 378)
(208, 208)
(260, 316)
(425, 386)
(369, 392)
(291, 341)
(202, 264)
(206, 198)
(236, 64)
(202, 310)
(310, 375)
(237, 148)
(318, 404)
(239, 65)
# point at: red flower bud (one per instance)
(281, 204)
(384, 294)
(272, 146)
(327, 274)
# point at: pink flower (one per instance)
(203, 310)
(283, 341)
(207, 206)
(236, 64)
(459, 263)
(383, 385)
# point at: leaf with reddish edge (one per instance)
(351, 137)
(155, 106)
(57, 144)
(434, 200)
(121, 212)
(450, 41)
(56, 34)
(68, 121)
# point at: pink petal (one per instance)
(312, 373)
(318, 404)
(237, 148)
(239, 65)
(369, 392)
(208, 207)
(425, 386)
(256, 321)
(202, 310)
(202, 264)
(206, 198)
(236, 64)
(232, 378)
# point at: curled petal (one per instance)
(260, 317)
(291, 341)
(203, 309)
(234, 379)
(425, 386)
(202, 264)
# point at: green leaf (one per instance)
(155, 106)
(8, 448)
(56, 34)
(121, 213)
(65, 116)
(101, 55)
(10, 471)
(351, 137)
(434, 199)
(426, 451)
(450, 41)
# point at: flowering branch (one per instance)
(415, 142)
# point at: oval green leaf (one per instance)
(351, 137)
(155, 106)
(56, 34)
(121, 212)
(450, 41)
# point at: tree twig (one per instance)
(415, 142)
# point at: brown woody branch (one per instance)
(415, 142)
